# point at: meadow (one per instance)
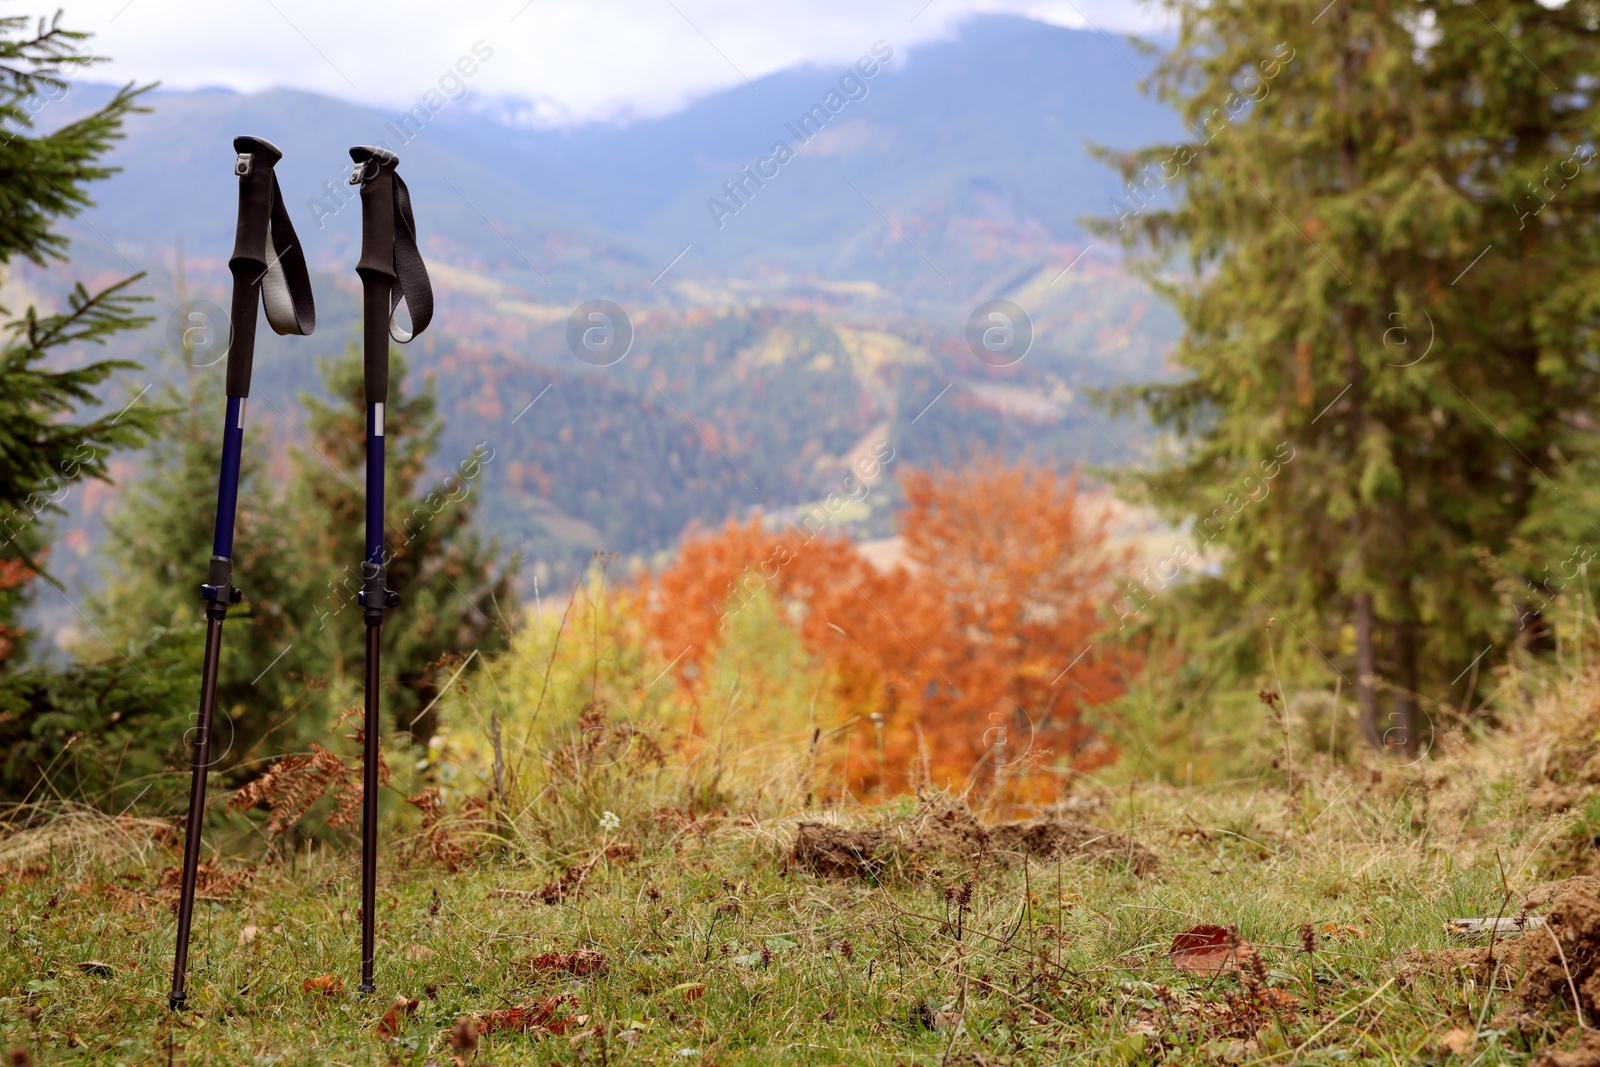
(620, 899)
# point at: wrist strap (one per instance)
(411, 282)
(286, 288)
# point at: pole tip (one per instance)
(367, 987)
(175, 1001)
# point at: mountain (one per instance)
(779, 324)
(990, 127)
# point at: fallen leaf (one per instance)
(326, 984)
(96, 968)
(630, 1037)
(1280, 999)
(1209, 949)
(463, 1037)
(946, 1020)
(418, 952)
(248, 934)
(543, 1014)
(691, 990)
(393, 1019)
(581, 962)
(1456, 1040)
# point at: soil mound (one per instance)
(1554, 962)
(1478, 963)
(1545, 892)
(1585, 1054)
(1563, 958)
(951, 830)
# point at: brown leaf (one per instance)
(1279, 999)
(542, 1014)
(418, 952)
(1456, 1040)
(393, 1019)
(463, 1036)
(326, 984)
(1335, 932)
(1209, 949)
(581, 962)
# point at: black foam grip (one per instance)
(375, 336)
(242, 326)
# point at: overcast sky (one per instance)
(569, 60)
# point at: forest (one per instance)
(798, 729)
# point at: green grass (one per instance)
(1053, 962)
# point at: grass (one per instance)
(718, 950)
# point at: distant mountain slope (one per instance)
(832, 306)
(989, 128)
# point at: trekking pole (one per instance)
(391, 270)
(269, 267)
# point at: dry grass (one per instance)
(683, 932)
(77, 838)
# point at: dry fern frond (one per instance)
(294, 783)
(441, 837)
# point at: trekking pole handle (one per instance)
(373, 171)
(253, 165)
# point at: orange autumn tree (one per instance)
(1016, 561)
(976, 655)
(823, 584)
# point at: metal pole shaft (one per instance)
(197, 805)
(369, 811)
(373, 567)
(218, 592)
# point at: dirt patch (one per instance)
(951, 830)
(1545, 892)
(1478, 963)
(1554, 962)
(1564, 956)
(1585, 1054)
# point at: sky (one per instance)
(548, 62)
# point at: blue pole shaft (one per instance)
(373, 616)
(228, 481)
(220, 585)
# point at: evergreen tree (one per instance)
(157, 542)
(1360, 182)
(42, 179)
(452, 598)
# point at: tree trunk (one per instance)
(1401, 734)
(1366, 672)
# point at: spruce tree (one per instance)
(452, 596)
(43, 178)
(1383, 245)
(157, 541)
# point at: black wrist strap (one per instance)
(410, 273)
(286, 288)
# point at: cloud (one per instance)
(557, 62)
